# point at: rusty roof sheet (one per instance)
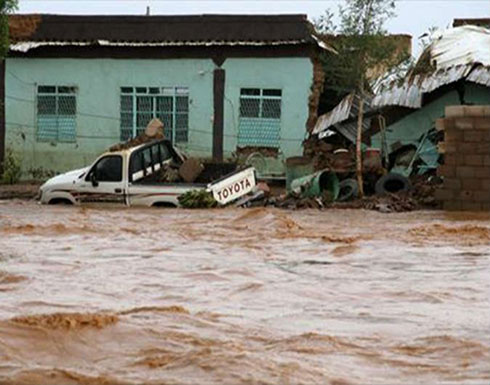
(340, 113)
(160, 29)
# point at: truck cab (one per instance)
(128, 177)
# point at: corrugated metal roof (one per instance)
(344, 118)
(406, 95)
(456, 54)
(409, 93)
(340, 113)
(480, 75)
(323, 45)
(444, 76)
(464, 45)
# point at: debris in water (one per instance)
(197, 199)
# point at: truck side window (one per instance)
(108, 169)
(155, 155)
(136, 163)
(165, 152)
(147, 157)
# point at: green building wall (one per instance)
(98, 102)
(293, 76)
(410, 129)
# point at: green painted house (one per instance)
(74, 85)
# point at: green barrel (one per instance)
(297, 167)
(317, 184)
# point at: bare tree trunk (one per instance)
(360, 119)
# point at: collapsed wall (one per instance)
(466, 149)
(316, 89)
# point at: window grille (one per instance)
(56, 113)
(169, 104)
(260, 117)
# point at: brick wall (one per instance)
(466, 149)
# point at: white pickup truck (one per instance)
(124, 177)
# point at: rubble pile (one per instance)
(169, 173)
(153, 131)
(213, 171)
(339, 157)
(421, 196)
(424, 190)
(334, 156)
(192, 170)
(389, 203)
(294, 201)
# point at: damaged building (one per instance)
(400, 118)
(74, 85)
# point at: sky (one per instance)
(414, 17)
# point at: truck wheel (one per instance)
(348, 190)
(392, 183)
(164, 204)
(60, 201)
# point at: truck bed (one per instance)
(153, 183)
(225, 189)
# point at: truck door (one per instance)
(104, 182)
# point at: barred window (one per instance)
(260, 117)
(56, 113)
(169, 104)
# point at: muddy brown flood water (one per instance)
(260, 296)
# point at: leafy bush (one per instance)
(40, 173)
(197, 199)
(11, 167)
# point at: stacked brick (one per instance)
(466, 149)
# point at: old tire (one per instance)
(392, 183)
(348, 190)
